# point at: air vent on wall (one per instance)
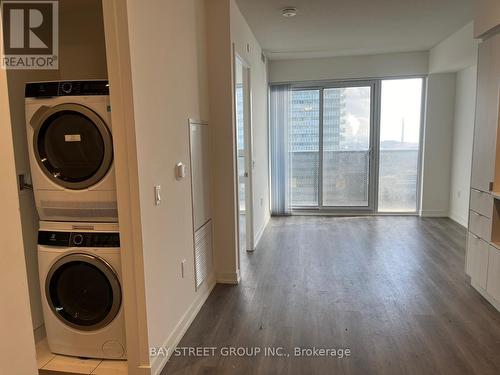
(70, 210)
(203, 252)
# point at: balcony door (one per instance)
(332, 147)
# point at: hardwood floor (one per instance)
(391, 289)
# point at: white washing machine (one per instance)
(71, 150)
(80, 282)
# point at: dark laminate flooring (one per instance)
(391, 289)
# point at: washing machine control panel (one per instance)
(66, 88)
(78, 239)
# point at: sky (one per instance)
(401, 101)
(400, 104)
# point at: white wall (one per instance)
(437, 146)
(355, 67)
(17, 346)
(82, 55)
(463, 133)
(455, 53)
(227, 27)
(241, 36)
(169, 81)
(449, 120)
(458, 53)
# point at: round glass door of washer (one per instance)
(73, 146)
(83, 291)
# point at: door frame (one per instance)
(371, 208)
(248, 142)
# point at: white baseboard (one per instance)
(434, 213)
(460, 219)
(175, 337)
(261, 231)
(229, 278)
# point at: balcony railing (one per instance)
(346, 179)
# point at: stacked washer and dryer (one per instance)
(71, 156)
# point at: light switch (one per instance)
(157, 195)
(180, 171)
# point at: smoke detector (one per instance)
(289, 12)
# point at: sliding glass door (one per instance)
(305, 148)
(331, 147)
(346, 164)
(355, 146)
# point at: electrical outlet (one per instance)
(459, 193)
(261, 202)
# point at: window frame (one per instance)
(373, 195)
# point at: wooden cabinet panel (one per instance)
(486, 123)
(493, 283)
(477, 260)
(486, 16)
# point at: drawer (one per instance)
(481, 203)
(477, 260)
(480, 225)
(493, 285)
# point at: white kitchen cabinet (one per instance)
(487, 112)
(477, 260)
(480, 225)
(481, 203)
(486, 16)
(493, 283)
(483, 256)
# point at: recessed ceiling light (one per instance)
(289, 12)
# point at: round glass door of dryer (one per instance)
(73, 146)
(83, 291)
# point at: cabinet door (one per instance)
(480, 225)
(477, 260)
(493, 285)
(485, 131)
(481, 203)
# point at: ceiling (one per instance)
(324, 28)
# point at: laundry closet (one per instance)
(139, 242)
(62, 133)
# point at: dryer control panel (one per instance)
(66, 88)
(78, 239)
